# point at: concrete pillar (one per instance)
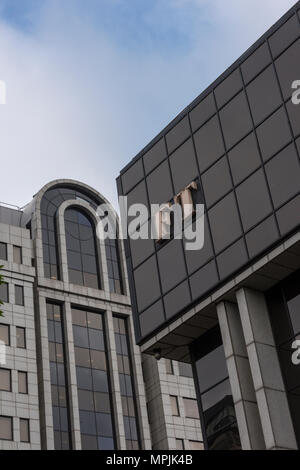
(265, 368)
(240, 377)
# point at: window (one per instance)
(5, 380)
(23, 382)
(81, 249)
(169, 366)
(17, 254)
(126, 384)
(3, 251)
(219, 419)
(58, 377)
(191, 408)
(185, 370)
(196, 445)
(179, 444)
(174, 405)
(24, 430)
(4, 292)
(19, 295)
(21, 337)
(5, 334)
(113, 266)
(6, 428)
(94, 399)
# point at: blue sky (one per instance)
(91, 82)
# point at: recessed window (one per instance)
(174, 405)
(4, 292)
(5, 380)
(19, 295)
(169, 366)
(5, 334)
(24, 430)
(3, 251)
(185, 369)
(196, 445)
(23, 382)
(6, 428)
(17, 254)
(191, 408)
(21, 337)
(179, 444)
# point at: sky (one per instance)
(90, 82)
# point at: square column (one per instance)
(242, 387)
(266, 373)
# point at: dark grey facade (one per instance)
(240, 142)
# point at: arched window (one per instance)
(81, 249)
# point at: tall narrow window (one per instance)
(17, 254)
(126, 385)
(81, 249)
(4, 292)
(94, 398)
(113, 266)
(58, 377)
(3, 251)
(19, 295)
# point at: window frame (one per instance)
(25, 342)
(10, 380)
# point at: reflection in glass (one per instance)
(219, 419)
(94, 401)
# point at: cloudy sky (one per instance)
(91, 82)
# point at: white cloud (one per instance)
(80, 106)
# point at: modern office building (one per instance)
(231, 309)
(70, 372)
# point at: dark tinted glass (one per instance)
(244, 158)
(228, 88)
(235, 120)
(202, 112)
(183, 166)
(253, 199)
(216, 181)
(209, 143)
(274, 134)
(178, 134)
(256, 62)
(288, 68)
(155, 155)
(225, 223)
(284, 36)
(264, 95)
(283, 173)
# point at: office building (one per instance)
(232, 308)
(72, 374)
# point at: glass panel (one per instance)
(22, 382)
(21, 339)
(5, 380)
(6, 429)
(81, 249)
(4, 292)
(24, 430)
(3, 251)
(19, 295)
(4, 334)
(174, 405)
(17, 254)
